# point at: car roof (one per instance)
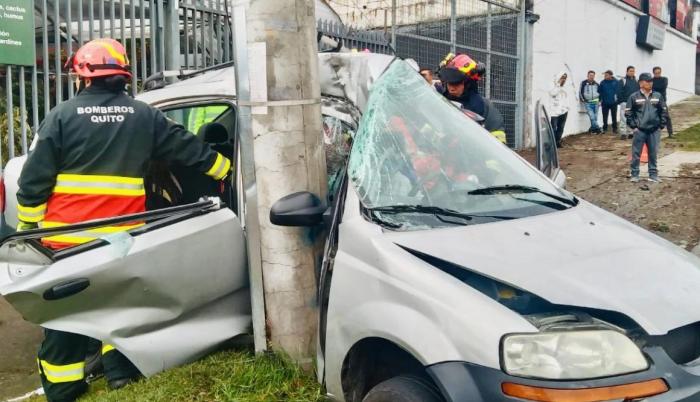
(342, 75)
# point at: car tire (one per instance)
(404, 389)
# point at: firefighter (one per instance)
(461, 75)
(89, 163)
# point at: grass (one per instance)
(225, 376)
(689, 138)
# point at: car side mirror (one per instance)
(298, 209)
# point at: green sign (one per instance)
(17, 32)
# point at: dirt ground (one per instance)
(19, 341)
(596, 169)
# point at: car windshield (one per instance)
(419, 162)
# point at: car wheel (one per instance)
(404, 389)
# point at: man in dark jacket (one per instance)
(646, 114)
(590, 96)
(608, 100)
(627, 86)
(661, 85)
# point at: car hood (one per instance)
(584, 257)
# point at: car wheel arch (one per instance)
(372, 360)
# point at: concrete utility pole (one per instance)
(289, 157)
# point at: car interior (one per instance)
(169, 185)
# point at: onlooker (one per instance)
(608, 100)
(591, 98)
(627, 86)
(647, 116)
(661, 85)
(558, 106)
(427, 73)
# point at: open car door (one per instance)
(547, 154)
(163, 294)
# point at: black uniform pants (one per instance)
(612, 111)
(62, 365)
(669, 126)
(558, 123)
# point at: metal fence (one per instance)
(158, 35)
(491, 31)
(194, 34)
(346, 37)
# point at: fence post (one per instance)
(10, 115)
(172, 36)
(520, 78)
(453, 26)
(393, 24)
(489, 38)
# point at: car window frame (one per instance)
(191, 101)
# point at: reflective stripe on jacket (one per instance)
(78, 198)
(646, 113)
(91, 157)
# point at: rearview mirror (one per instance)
(298, 209)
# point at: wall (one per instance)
(581, 35)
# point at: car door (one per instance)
(163, 294)
(547, 153)
(339, 126)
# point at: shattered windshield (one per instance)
(419, 162)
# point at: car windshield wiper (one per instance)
(437, 211)
(520, 189)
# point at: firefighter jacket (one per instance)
(646, 113)
(473, 101)
(90, 160)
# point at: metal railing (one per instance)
(157, 35)
(491, 31)
(346, 37)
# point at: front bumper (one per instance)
(461, 381)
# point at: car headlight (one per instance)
(571, 355)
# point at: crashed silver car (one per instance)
(453, 269)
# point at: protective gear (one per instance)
(456, 69)
(74, 175)
(89, 163)
(61, 362)
(62, 365)
(100, 58)
(198, 116)
(462, 68)
(22, 226)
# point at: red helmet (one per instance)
(100, 58)
(459, 68)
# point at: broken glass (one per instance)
(337, 141)
(414, 148)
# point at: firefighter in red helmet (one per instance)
(89, 163)
(461, 75)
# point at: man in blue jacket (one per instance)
(608, 100)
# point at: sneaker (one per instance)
(630, 136)
(635, 179)
(654, 179)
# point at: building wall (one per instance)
(581, 35)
